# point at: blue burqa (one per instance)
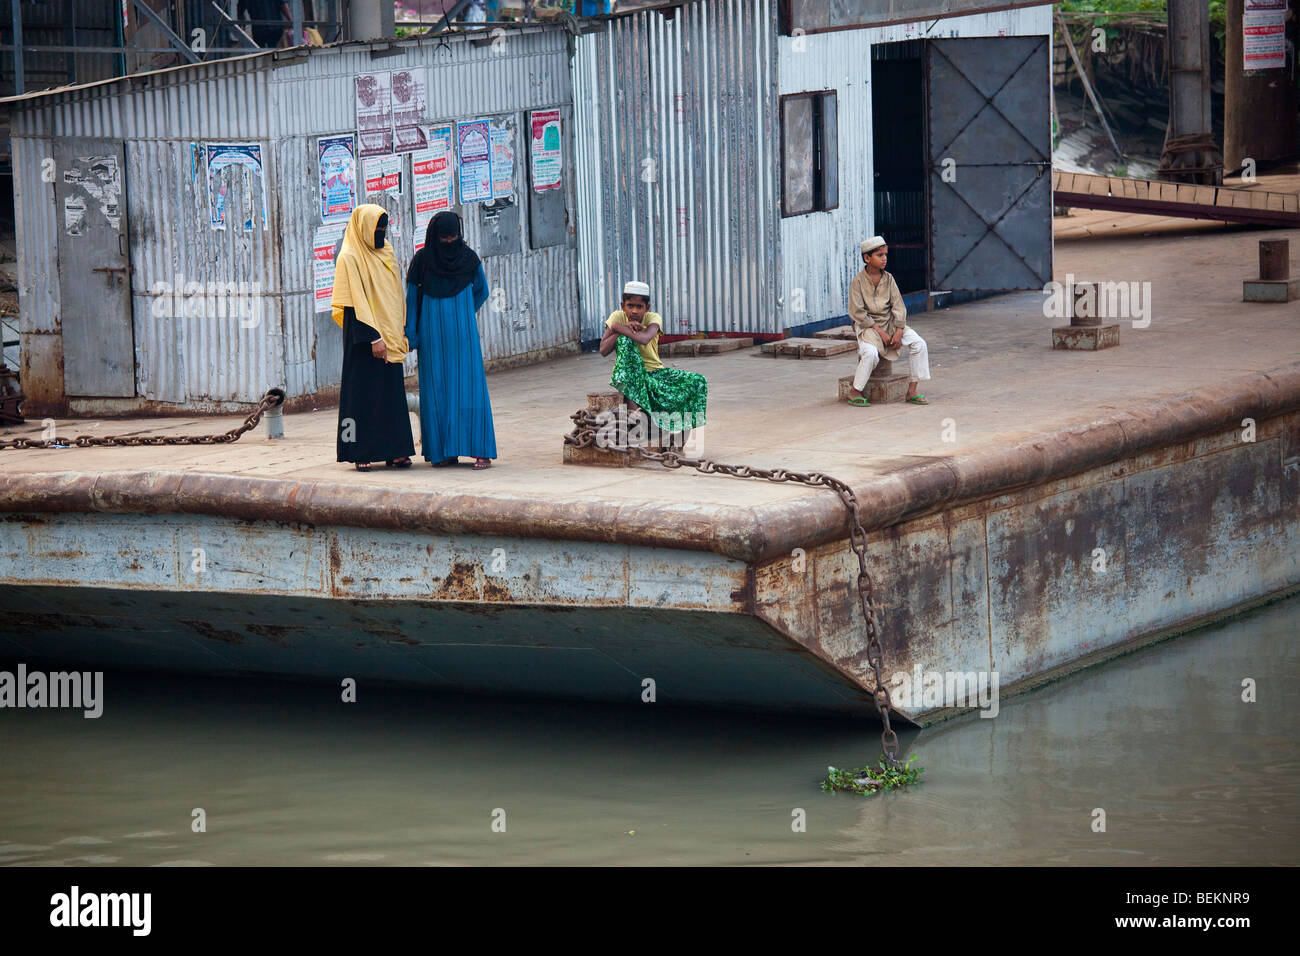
(455, 410)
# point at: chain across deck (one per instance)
(584, 435)
(271, 399)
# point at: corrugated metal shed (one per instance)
(819, 251)
(677, 165)
(283, 101)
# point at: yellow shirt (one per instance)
(649, 351)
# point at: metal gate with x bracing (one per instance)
(989, 146)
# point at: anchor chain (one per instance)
(586, 424)
(272, 398)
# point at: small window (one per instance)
(810, 179)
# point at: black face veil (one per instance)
(441, 269)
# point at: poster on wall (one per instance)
(545, 149)
(475, 161)
(409, 104)
(502, 137)
(374, 113)
(236, 183)
(1263, 35)
(431, 180)
(322, 262)
(382, 177)
(382, 174)
(337, 161)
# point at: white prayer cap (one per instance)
(636, 288)
(872, 244)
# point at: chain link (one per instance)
(586, 424)
(272, 398)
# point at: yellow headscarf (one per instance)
(368, 279)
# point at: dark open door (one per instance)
(94, 269)
(991, 202)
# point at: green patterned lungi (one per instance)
(673, 397)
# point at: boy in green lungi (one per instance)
(674, 398)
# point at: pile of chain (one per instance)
(584, 435)
(272, 399)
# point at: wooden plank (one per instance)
(720, 345)
(839, 332)
(1097, 186)
(825, 348)
(1115, 185)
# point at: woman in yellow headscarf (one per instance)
(370, 305)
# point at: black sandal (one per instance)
(446, 462)
(398, 463)
(362, 465)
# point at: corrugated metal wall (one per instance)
(201, 360)
(819, 251)
(677, 166)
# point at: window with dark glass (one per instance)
(809, 153)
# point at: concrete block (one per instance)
(1085, 338)
(604, 401)
(1270, 290)
(881, 389)
(591, 455)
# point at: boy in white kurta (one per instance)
(880, 321)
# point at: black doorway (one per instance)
(898, 155)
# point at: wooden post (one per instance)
(1274, 258)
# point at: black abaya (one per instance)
(372, 399)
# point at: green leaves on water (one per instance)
(869, 780)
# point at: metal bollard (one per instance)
(412, 402)
(274, 418)
(1275, 259)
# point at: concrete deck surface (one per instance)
(996, 382)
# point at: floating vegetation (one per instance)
(869, 780)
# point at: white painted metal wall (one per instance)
(819, 251)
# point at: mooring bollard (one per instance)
(1085, 331)
(274, 418)
(1274, 283)
(597, 402)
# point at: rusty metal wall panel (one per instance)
(524, 70)
(192, 343)
(676, 165)
(534, 301)
(37, 225)
(819, 251)
(205, 360)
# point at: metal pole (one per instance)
(296, 8)
(19, 86)
(365, 22)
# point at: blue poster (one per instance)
(338, 177)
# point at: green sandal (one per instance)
(859, 401)
(918, 400)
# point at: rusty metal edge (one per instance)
(749, 534)
(1179, 210)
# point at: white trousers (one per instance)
(917, 353)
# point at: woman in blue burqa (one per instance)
(445, 288)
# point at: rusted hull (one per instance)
(1024, 561)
